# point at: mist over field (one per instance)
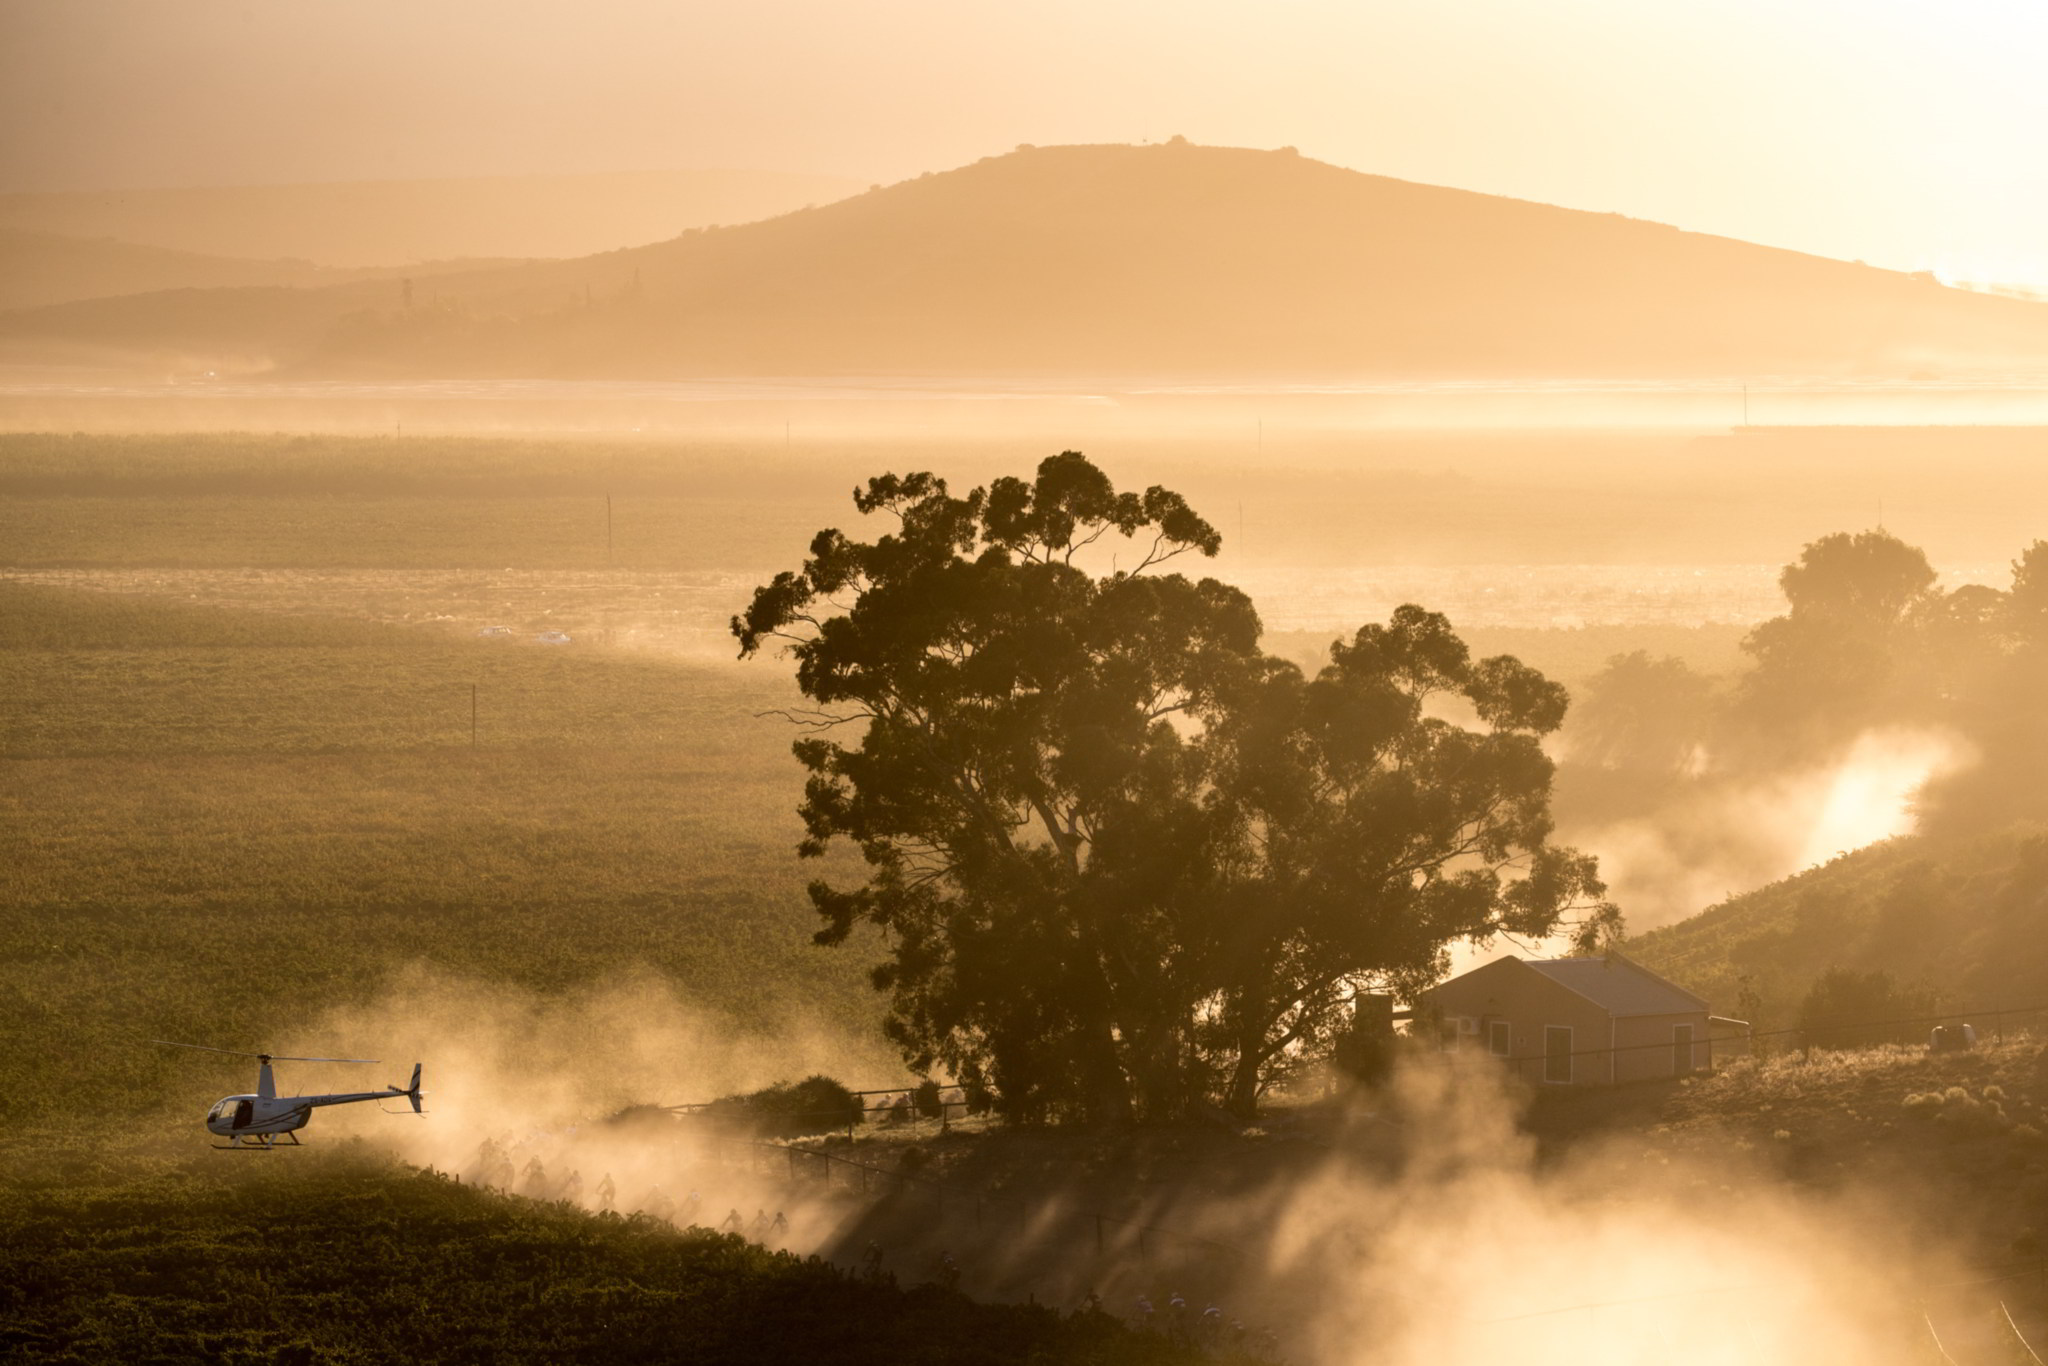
(1323, 686)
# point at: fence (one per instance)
(1812, 1036)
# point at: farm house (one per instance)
(1572, 1021)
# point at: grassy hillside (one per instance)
(344, 1258)
(202, 805)
(1965, 916)
(1171, 260)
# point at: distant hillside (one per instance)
(1159, 261)
(41, 268)
(393, 222)
(1966, 916)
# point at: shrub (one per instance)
(814, 1105)
(1847, 1009)
(929, 1102)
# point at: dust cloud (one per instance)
(1421, 1225)
(1733, 832)
(1477, 1252)
(525, 1093)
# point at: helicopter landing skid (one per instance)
(259, 1143)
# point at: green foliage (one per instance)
(817, 1104)
(1850, 1009)
(1826, 667)
(1643, 714)
(1122, 857)
(333, 1257)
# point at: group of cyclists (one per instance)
(1210, 1328)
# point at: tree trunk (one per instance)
(1106, 1089)
(1242, 1099)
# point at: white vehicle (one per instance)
(257, 1121)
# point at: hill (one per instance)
(41, 268)
(1964, 915)
(1175, 262)
(391, 222)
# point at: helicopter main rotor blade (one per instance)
(202, 1048)
(238, 1053)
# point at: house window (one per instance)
(1557, 1053)
(1500, 1038)
(1681, 1050)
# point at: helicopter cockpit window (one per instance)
(220, 1107)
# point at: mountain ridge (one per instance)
(1156, 260)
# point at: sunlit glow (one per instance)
(1868, 796)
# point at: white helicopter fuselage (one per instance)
(235, 1115)
(265, 1113)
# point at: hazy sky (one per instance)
(1907, 134)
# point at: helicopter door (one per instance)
(242, 1109)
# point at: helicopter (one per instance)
(257, 1122)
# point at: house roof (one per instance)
(1618, 986)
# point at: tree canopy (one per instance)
(1123, 861)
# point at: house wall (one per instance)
(1636, 1062)
(1528, 1001)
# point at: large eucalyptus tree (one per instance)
(1122, 860)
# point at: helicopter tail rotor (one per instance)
(412, 1091)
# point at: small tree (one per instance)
(1826, 668)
